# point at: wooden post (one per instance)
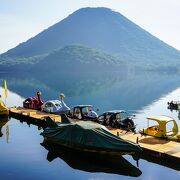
(137, 140)
(118, 134)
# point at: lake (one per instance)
(23, 154)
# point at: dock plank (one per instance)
(34, 114)
(164, 148)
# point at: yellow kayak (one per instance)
(3, 109)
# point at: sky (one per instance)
(23, 19)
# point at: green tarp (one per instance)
(86, 135)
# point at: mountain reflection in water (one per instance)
(125, 90)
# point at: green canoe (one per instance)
(90, 137)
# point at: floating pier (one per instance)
(159, 151)
(32, 116)
(165, 150)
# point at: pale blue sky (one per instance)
(22, 19)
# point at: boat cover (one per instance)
(87, 135)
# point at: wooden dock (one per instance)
(160, 151)
(32, 116)
(154, 148)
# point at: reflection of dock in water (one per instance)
(91, 162)
(161, 161)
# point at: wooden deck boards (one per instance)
(160, 147)
(33, 114)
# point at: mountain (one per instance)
(76, 58)
(99, 28)
(79, 58)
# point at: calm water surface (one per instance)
(22, 155)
